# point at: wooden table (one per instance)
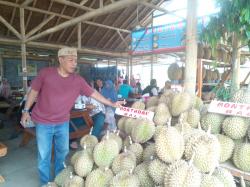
(235, 171)
(30, 133)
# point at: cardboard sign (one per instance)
(134, 113)
(229, 108)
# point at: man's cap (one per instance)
(67, 51)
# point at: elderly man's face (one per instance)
(99, 83)
(68, 63)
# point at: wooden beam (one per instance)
(117, 21)
(107, 27)
(69, 3)
(79, 33)
(83, 2)
(47, 46)
(98, 12)
(123, 40)
(23, 50)
(74, 29)
(26, 2)
(191, 48)
(38, 27)
(12, 29)
(29, 16)
(57, 21)
(101, 3)
(12, 18)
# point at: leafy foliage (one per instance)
(234, 17)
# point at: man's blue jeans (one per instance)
(46, 134)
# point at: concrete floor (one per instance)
(19, 166)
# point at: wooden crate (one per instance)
(3, 149)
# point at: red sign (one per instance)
(229, 108)
(134, 113)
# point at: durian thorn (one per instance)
(84, 146)
(71, 175)
(130, 140)
(192, 159)
(107, 135)
(90, 132)
(209, 129)
(117, 132)
(125, 149)
(106, 168)
(131, 170)
(212, 171)
(199, 126)
(64, 165)
(242, 181)
(152, 157)
(169, 122)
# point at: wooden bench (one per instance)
(30, 133)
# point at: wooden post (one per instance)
(23, 49)
(79, 35)
(235, 64)
(191, 48)
(127, 70)
(131, 67)
(1, 67)
(199, 78)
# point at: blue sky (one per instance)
(204, 8)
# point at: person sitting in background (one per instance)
(109, 92)
(97, 113)
(166, 87)
(5, 90)
(125, 89)
(138, 89)
(151, 89)
(98, 85)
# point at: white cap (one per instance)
(66, 51)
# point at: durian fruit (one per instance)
(152, 101)
(137, 149)
(149, 152)
(212, 120)
(141, 171)
(183, 175)
(115, 136)
(89, 141)
(121, 123)
(184, 128)
(158, 129)
(127, 141)
(173, 166)
(226, 147)
(142, 130)
(181, 102)
(124, 161)
(174, 72)
(152, 108)
(105, 152)
(169, 145)
(210, 181)
(198, 103)
(241, 96)
(156, 170)
(225, 177)
(74, 181)
(241, 156)
(124, 179)
(99, 178)
(63, 175)
(51, 184)
(83, 164)
(138, 105)
(162, 114)
(206, 151)
(192, 117)
(128, 125)
(75, 156)
(235, 127)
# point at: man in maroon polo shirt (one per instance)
(55, 90)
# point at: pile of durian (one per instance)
(182, 147)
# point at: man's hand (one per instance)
(90, 106)
(25, 118)
(119, 104)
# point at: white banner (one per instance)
(229, 108)
(134, 113)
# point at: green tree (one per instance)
(231, 26)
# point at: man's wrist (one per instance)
(25, 110)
